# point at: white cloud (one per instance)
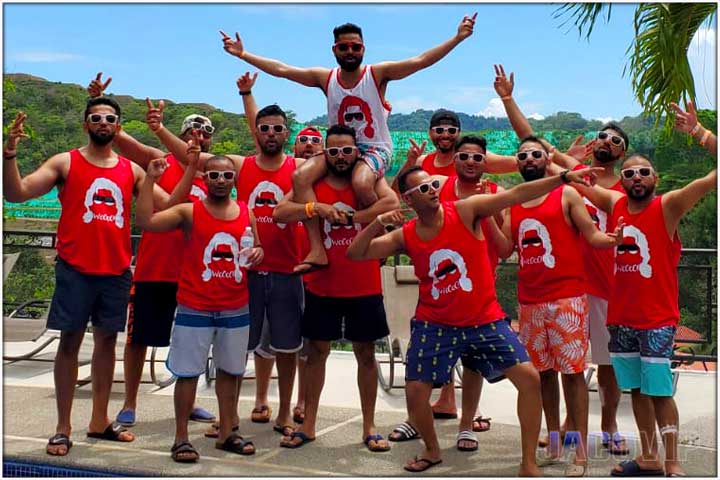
(495, 108)
(45, 57)
(702, 56)
(604, 119)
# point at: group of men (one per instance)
(293, 265)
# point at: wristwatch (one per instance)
(563, 176)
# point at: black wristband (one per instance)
(242, 94)
(350, 216)
(563, 176)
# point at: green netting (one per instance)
(503, 142)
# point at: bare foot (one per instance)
(529, 471)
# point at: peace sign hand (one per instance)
(193, 150)
(685, 121)
(465, 29)
(246, 82)
(97, 87)
(154, 115)
(233, 47)
(15, 134)
(503, 85)
(415, 152)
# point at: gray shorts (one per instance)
(196, 330)
(276, 306)
(79, 297)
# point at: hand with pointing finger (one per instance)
(233, 47)
(154, 116)
(503, 85)
(585, 176)
(393, 219)
(415, 152)
(465, 29)
(246, 82)
(97, 87)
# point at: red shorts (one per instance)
(556, 333)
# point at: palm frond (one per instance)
(658, 64)
(583, 15)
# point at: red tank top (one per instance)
(344, 277)
(645, 294)
(599, 262)
(211, 278)
(549, 257)
(447, 194)
(159, 252)
(94, 229)
(456, 284)
(262, 190)
(428, 164)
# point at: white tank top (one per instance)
(360, 107)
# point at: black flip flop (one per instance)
(314, 267)
(184, 447)
(112, 433)
(444, 416)
(60, 439)
(405, 431)
(231, 444)
(631, 468)
(426, 464)
(304, 439)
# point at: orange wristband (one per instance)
(310, 209)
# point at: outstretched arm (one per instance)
(366, 247)
(245, 84)
(486, 205)
(396, 70)
(17, 189)
(688, 122)
(310, 77)
(677, 203)
(504, 88)
(496, 163)
(582, 221)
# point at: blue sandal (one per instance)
(304, 439)
(630, 468)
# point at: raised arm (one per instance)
(496, 163)
(479, 206)
(582, 221)
(245, 84)
(366, 247)
(310, 77)
(17, 189)
(165, 220)
(396, 70)
(677, 203)
(504, 88)
(688, 122)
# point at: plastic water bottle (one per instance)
(246, 242)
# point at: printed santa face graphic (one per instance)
(222, 258)
(339, 235)
(535, 245)
(598, 216)
(197, 193)
(104, 203)
(263, 199)
(448, 270)
(633, 254)
(355, 112)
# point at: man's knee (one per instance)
(526, 377)
(319, 351)
(365, 354)
(70, 342)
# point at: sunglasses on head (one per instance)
(614, 139)
(308, 139)
(465, 156)
(202, 126)
(99, 117)
(265, 128)
(441, 130)
(359, 116)
(536, 154)
(214, 174)
(345, 46)
(629, 173)
(335, 151)
(425, 187)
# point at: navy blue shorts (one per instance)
(357, 319)
(152, 314)
(276, 307)
(78, 297)
(487, 349)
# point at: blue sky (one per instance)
(174, 51)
